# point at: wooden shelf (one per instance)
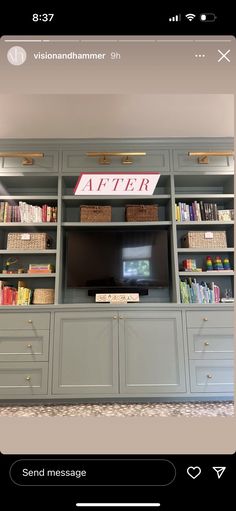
(223, 273)
(203, 222)
(206, 250)
(20, 276)
(207, 196)
(29, 198)
(115, 224)
(38, 252)
(25, 224)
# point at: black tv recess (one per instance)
(102, 260)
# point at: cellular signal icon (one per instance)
(175, 18)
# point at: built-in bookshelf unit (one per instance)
(191, 197)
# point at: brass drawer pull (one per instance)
(30, 321)
(206, 343)
(114, 317)
(29, 345)
(209, 376)
(121, 317)
(28, 378)
(205, 319)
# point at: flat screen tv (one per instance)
(124, 260)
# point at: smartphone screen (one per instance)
(117, 258)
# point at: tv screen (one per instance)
(121, 259)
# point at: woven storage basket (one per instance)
(141, 213)
(204, 239)
(43, 296)
(28, 241)
(95, 213)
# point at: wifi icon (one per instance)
(190, 17)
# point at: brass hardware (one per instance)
(203, 156)
(121, 317)
(28, 378)
(29, 345)
(126, 160)
(206, 343)
(205, 319)
(30, 321)
(209, 376)
(27, 158)
(114, 317)
(104, 160)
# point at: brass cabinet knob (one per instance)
(120, 316)
(114, 317)
(205, 319)
(30, 321)
(28, 378)
(209, 376)
(206, 343)
(29, 345)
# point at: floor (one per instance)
(196, 409)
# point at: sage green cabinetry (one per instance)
(85, 357)
(151, 353)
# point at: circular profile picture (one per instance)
(16, 55)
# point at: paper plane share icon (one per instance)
(219, 471)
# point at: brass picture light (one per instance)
(104, 157)
(203, 156)
(27, 157)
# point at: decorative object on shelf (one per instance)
(117, 297)
(21, 270)
(227, 298)
(41, 268)
(217, 263)
(104, 157)
(189, 264)
(226, 215)
(95, 213)
(116, 183)
(43, 296)
(209, 263)
(226, 263)
(28, 241)
(141, 213)
(204, 239)
(9, 262)
(27, 157)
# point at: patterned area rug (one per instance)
(197, 409)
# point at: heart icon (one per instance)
(193, 472)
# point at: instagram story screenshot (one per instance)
(117, 363)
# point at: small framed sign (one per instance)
(117, 297)
(116, 183)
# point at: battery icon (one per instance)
(208, 16)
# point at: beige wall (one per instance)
(98, 116)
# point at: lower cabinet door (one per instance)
(23, 378)
(151, 353)
(211, 375)
(85, 354)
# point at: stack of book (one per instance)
(27, 213)
(193, 292)
(10, 295)
(41, 268)
(196, 211)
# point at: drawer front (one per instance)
(183, 162)
(25, 321)
(154, 160)
(49, 163)
(214, 343)
(23, 346)
(23, 378)
(210, 319)
(211, 376)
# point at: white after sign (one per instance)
(116, 183)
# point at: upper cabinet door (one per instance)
(185, 163)
(48, 163)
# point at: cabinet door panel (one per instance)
(85, 354)
(151, 353)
